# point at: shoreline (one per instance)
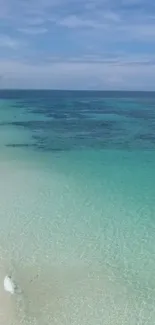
(42, 234)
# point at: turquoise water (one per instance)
(77, 207)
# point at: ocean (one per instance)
(77, 212)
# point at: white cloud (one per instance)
(9, 42)
(78, 75)
(73, 21)
(110, 26)
(111, 16)
(99, 20)
(92, 14)
(33, 30)
(13, 10)
(35, 21)
(143, 32)
(90, 28)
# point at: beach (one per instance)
(76, 225)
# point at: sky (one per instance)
(77, 44)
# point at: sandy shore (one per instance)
(64, 296)
(54, 290)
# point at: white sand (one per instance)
(75, 296)
(75, 293)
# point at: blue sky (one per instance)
(71, 44)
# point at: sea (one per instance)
(77, 207)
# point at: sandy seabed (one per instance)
(73, 291)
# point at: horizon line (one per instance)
(75, 90)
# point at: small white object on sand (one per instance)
(9, 285)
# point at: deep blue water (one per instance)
(66, 120)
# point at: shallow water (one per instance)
(77, 217)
